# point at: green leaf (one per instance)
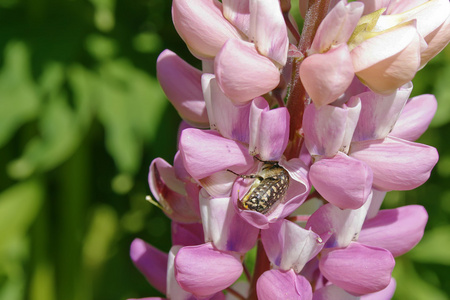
(19, 101)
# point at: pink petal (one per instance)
(148, 298)
(224, 227)
(358, 269)
(203, 270)
(379, 113)
(206, 152)
(265, 139)
(276, 284)
(396, 164)
(397, 230)
(174, 290)
(385, 294)
(326, 76)
(289, 246)
(218, 184)
(201, 25)
(373, 5)
(238, 13)
(243, 73)
(415, 117)
(178, 200)
(182, 86)
(187, 234)
(151, 262)
(338, 227)
(333, 292)
(324, 129)
(343, 181)
(436, 40)
(337, 27)
(230, 120)
(268, 30)
(375, 204)
(384, 69)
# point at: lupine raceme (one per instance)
(288, 145)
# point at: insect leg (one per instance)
(251, 176)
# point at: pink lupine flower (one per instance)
(276, 284)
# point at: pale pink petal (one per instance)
(338, 226)
(203, 270)
(268, 30)
(218, 184)
(201, 25)
(230, 120)
(358, 269)
(326, 76)
(187, 234)
(343, 181)
(243, 73)
(379, 113)
(332, 292)
(174, 290)
(385, 294)
(238, 13)
(337, 27)
(399, 6)
(415, 117)
(147, 298)
(151, 262)
(224, 227)
(324, 129)
(436, 40)
(272, 140)
(276, 284)
(396, 164)
(289, 246)
(206, 152)
(258, 106)
(397, 230)
(178, 200)
(372, 5)
(384, 69)
(375, 204)
(182, 85)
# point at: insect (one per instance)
(269, 187)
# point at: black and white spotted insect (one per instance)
(268, 189)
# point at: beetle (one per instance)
(268, 188)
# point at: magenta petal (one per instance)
(396, 164)
(224, 227)
(289, 246)
(385, 294)
(182, 85)
(276, 284)
(343, 181)
(333, 292)
(243, 73)
(338, 226)
(179, 200)
(272, 140)
(268, 30)
(358, 269)
(326, 76)
(151, 262)
(397, 230)
(187, 234)
(206, 152)
(324, 129)
(230, 120)
(415, 117)
(203, 270)
(201, 24)
(379, 113)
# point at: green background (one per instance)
(81, 118)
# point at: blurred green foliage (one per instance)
(81, 118)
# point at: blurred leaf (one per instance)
(19, 102)
(411, 285)
(434, 247)
(442, 93)
(131, 105)
(19, 206)
(104, 14)
(101, 47)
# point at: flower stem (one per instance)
(317, 10)
(262, 264)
